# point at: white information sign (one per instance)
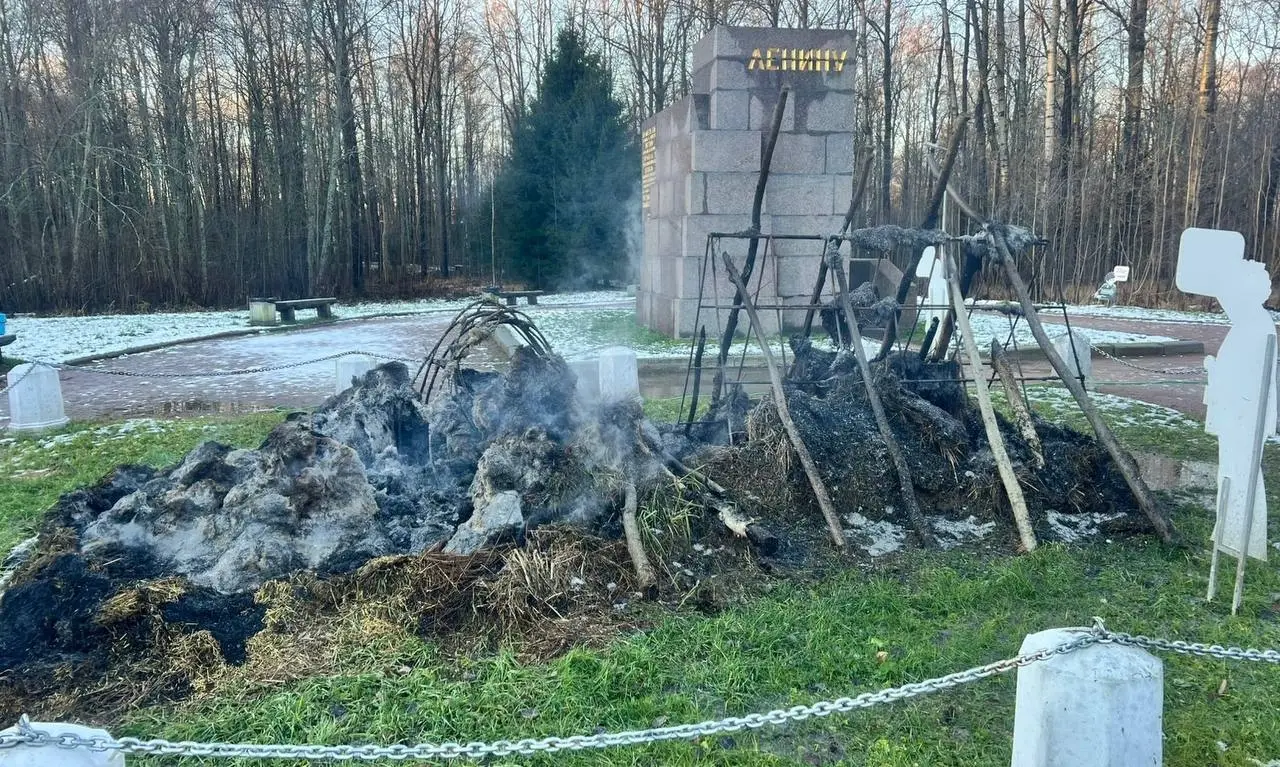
(1121, 273)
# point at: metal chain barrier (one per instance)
(1157, 371)
(28, 735)
(10, 384)
(209, 374)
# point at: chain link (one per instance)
(209, 374)
(29, 735)
(1135, 366)
(10, 384)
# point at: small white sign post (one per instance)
(1120, 274)
(1240, 397)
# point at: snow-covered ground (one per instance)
(988, 325)
(56, 339)
(575, 323)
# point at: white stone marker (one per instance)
(619, 375)
(1099, 706)
(588, 373)
(49, 756)
(262, 313)
(1081, 362)
(937, 295)
(35, 398)
(349, 367)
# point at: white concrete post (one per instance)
(349, 367)
(53, 756)
(1081, 362)
(588, 373)
(262, 313)
(619, 374)
(1099, 706)
(35, 398)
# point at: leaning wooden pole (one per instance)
(1013, 392)
(697, 378)
(646, 580)
(784, 411)
(821, 284)
(995, 439)
(1123, 460)
(905, 483)
(753, 246)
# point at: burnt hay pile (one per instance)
(940, 431)
(374, 482)
(379, 510)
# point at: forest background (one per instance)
(177, 153)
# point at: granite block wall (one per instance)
(702, 160)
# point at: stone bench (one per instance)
(512, 297)
(289, 309)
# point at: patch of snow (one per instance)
(957, 532)
(57, 339)
(987, 326)
(1069, 528)
(882, 537)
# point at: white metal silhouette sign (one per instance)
(1240, 398)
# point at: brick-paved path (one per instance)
(91, 395)
(1185, 397)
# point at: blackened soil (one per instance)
(231, 618)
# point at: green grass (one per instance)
(34, 471)
(932, 614)
(800, 641)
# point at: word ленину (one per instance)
(798, 60)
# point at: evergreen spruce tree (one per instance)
(568, 196)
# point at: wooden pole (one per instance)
(1007, 476)
(1013, 391)
(1223, 489)
(852, 211)
(905, 483)
(1255, 465)
(748, 266)
(645, 578)
(697, 377)
(1123, 460)
(784, 411)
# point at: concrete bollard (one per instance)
(349, 367)
(588, 373)
(35, 398)
(49, 756)
(1099, 706)
(1081, 362)
(619, 375)
(262, 313)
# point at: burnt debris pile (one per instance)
(372, 473)
(429, 499)
(939, 430)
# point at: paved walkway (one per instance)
(90, 393)
(1136, 377)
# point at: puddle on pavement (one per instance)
(1163, 472)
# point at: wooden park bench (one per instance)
(512, 297)
(289, 309)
